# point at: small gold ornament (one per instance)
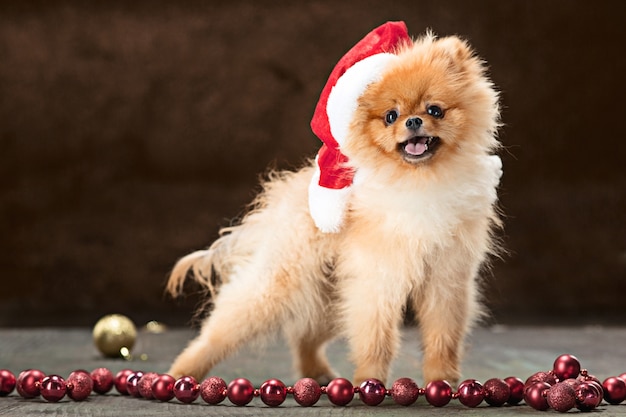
(114, 335)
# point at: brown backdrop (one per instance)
(130, 131)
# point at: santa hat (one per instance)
(363, 64)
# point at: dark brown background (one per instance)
(129, 132)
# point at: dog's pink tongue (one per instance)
(415, 148)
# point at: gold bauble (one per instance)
(114, 332)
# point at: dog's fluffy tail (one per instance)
(199, 266)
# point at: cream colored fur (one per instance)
(415, 233)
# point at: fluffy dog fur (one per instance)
(418, 230)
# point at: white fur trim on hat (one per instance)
(327, 205)
(343, 98)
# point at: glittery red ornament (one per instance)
(163, 387)
(534, 395)
(540, 377)
(438, 393)
(144, 385)
(7, 382)
(470, 393)
(561, 397)
(372, 392)
(497, 392)
(240, 391)
(132, 384)
(566, 366)
(186, 389)
(405, 391)
(28, 383)
(516, 387)
(340, 391)
(53, 388)
(273, 392)
(614, 390)
(103, 380)
(213, 390)
(307, 392)
(120, 380)
(79, 385)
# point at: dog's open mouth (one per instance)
(418, 147)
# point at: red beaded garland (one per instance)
(340, 391)
(7, 382)
(79, 385)
(438, 393)
(186, 389)
(52, 388)
(213, 390)
(28, 383)
(307, 392)
(372, 392)
(163, 387)
(405, 391)
(273, 392)
(470, 393)
(542, 390)
(103, 380)
(240, 391)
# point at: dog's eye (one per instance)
(435, 111)
(391, 116)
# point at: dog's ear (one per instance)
(457, 51)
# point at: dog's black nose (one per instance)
(414, 123)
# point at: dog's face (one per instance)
(431, 104)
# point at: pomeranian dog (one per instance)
(417, 232)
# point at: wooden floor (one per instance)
(494, 352)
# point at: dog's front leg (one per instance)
(373, 304)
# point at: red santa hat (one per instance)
(363, 64)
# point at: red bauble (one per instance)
(588, 396)
(340, 391)
(79, 385)
(144, 385)
(372, 392)
(534, 395)
(240, 391)
(470, 393)
(186, 389)
(516, 386)
(307, 392)
(405, 391)
(566, 366)
(53, 388)
(213, 390)
(120, 380)
(614, 390)
(27, 383)
(7, 382)
(273, 392)
(540, 377)
(163, 387)
(438, 393)
(132, 384)
(103, 380)
(561, 397)
(497, 392)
